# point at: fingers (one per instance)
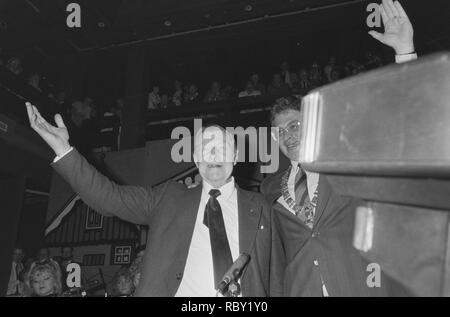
(384, 16)
(393, 8)
(387, 6)
(59, 121)
(400, 10)
(376, 35)
(30, 112)
(39, 118)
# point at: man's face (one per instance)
(66, 253)
(289, 136)
(18, 255)
(215, 155)
(43, 254)
(43, 283)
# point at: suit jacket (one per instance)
(170, 211)
(326, 252)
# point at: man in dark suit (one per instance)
(194, 234)
(316, 224)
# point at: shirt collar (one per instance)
(225, 191)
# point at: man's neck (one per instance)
(217, 185)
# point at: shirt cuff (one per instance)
(405, 58)
(58, 157)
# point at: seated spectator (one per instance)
(357, 68)
(335, 74)
(109, 131)
(372, 61)
(286, 74)
(254, 78)
(83, 127)
(34, 81)
(295, 83)
(65, 260)
(305, 85)
(249, 91)
(192, 95)
(315, 76)
(278, 87)
(154, 100)
(348, 69)
(136, 267)
(329, 68)
(122, 285)
(164, 101)
(44, 281)
(227, 92)
(214, 93)
(15, 284)
(14, 65)
(178, 94)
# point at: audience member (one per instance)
(154, 100)
(286, 74)
(249, 91)
(177, 96)
(122, 285)
(278, 87)
(214, 93)
(192, 95)
(315, 76)
(164, 101)
(15, 284)
(254, 78)
(44, 280)
(14, 65)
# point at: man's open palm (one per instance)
(398, 30)
(56, 137)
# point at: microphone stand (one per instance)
(229, 286)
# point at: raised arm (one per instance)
(131, 203)
(398, 30)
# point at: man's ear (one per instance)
(195, 159)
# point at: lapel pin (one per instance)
(262, 227)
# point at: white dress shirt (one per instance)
(198, 277)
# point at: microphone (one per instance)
(234, 272)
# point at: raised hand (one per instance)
(398, 30)
(56, 137)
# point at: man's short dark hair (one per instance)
(284, 104)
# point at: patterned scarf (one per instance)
(304, 211)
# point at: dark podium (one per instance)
(384, 137)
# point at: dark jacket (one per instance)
(170, 210)
(324, 253)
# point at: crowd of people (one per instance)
(40, 276)
(45, 276)
(92, 127)
(283, 83)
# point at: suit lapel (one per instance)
(249, 216)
